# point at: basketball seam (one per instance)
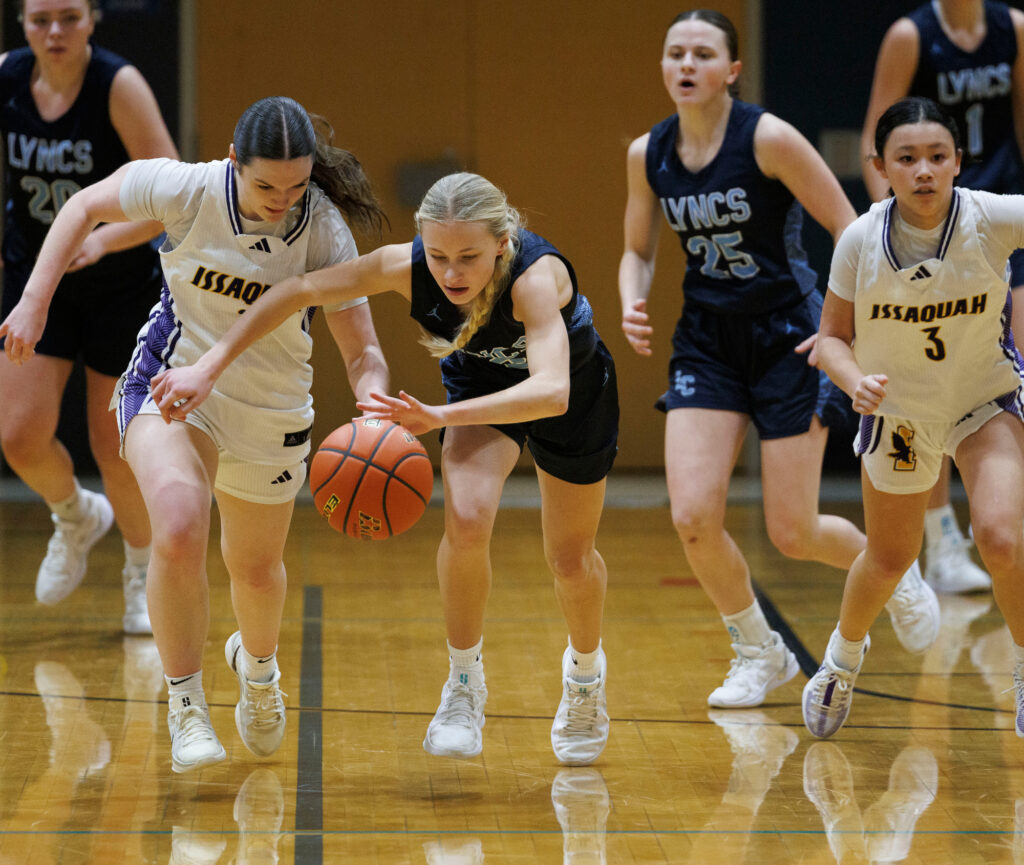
(367, 461)
(366, 465)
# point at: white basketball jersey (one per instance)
(261, 409)
(940, 328)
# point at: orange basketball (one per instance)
(371, 478)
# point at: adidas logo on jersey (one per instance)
(261, 245)
(921, 273)
(282, 478)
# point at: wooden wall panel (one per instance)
(541, 98)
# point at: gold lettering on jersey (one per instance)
(230, 286)
(930, 311)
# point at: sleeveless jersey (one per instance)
(739, 229)
(940, 328)
(48, 161)
(975, 88)
(212, 276)
(499, 347)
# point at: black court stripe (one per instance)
(808, 664)
(309, 801)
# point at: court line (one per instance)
(433, 833)
(309, 802)
(809, 666)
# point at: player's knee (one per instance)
(693, 522)
(468, 526)
(22, 445)
(793, 539)
(569, 563)
(1000, 545)
(256, 572)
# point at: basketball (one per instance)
(371, 479)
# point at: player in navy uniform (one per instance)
(522, 363)
(730, 179)
(966, 55)
(234, 227)
(915, 328)
(71, 113)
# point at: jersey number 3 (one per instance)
(722, 259)
(937, 349)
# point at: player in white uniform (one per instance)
(916, 329)
(233, 228)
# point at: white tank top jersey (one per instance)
(932, 308)
(215, 265)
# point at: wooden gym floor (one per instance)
(928, 769)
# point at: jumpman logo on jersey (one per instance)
(434, 312)
(261, 245)
(921, 273)
(664, 164)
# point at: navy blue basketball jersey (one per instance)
(500, 345)
(975, 88)
(49, 161)
(739, 229)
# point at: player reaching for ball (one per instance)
(522, 363)
(234, 227)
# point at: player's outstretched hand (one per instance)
(22, 329)
(869, 393)
(636, 328)
(177, 391)
(405, 410)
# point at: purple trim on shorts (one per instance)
(155, 344)
(869, 434)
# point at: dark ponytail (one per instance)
(913, 109)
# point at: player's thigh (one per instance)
(175, 465)
(701, 448)
(252, 534)
(570, 513)
(31, 393)
(791, 474)
(991, 463)
(475, 462)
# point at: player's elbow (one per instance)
(557, 399)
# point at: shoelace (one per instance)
(267, 705)
(582, 713)
(191, 725)
(740, 663)
(65, 534)
(460, 707)
(842, 680)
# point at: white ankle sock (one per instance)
(585, 666)
(69, 509)
(257, 669)
(845, 653)
(466, 662)
(137, 557)
(748, 626)
(940, 523)
(182, 690)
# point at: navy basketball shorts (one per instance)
(579, 446)
(747, 364)
(1016, 267)
(98, 320)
